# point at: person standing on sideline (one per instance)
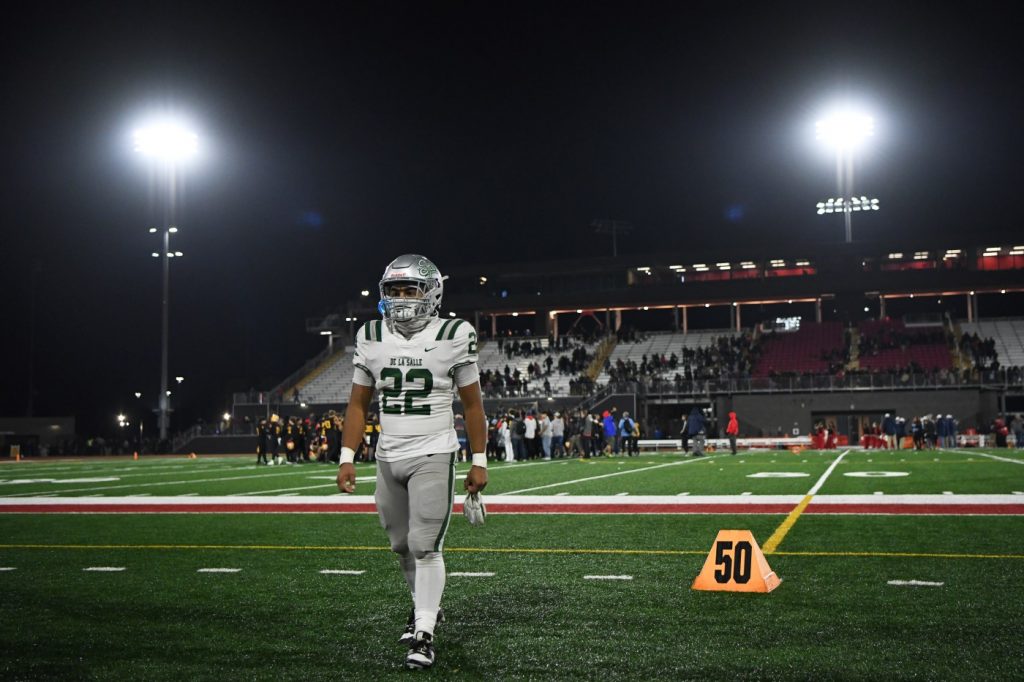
(558, 436)
(530, 436)
(732, 431)
(262, 441)
(610, 430)
(695, 431)
(460, 433)
(544, 428)
(625, 433)
(417, 363)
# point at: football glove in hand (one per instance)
(474, 510)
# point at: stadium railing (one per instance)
(997, 379)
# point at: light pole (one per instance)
(844, 131)
(168, 144)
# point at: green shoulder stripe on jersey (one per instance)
(441, 331)
(377, 328)
(451, 332)
(366, 330)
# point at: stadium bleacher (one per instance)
(330, 382)
(663, 343)
(902, 346)
(803, 350)
(495, 359)
(1008, 335)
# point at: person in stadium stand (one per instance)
(732, 430)
(684, 433)
(418, 363)
(262, 441)
(558, 436)
(275, 438)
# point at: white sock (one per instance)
(430, 578)
(408, 564)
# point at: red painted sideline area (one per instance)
(902, 505)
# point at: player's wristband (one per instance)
(480, 460)
(348, 456)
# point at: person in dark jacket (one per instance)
(262, 441)
(889, 431)
(695, 430)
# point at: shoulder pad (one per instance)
(449, 329)
(370, 331)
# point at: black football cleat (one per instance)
(421, 652)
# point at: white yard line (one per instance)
(335, 571)
(105, 569)
(7, 568)
(607, 577)
(615, 473)
(364, 479)
(821, 481)
(219, 570)
(152, 484)
(996, 457)
(915, 583)
(463, 574)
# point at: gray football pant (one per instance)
(414, 501)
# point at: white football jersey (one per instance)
(416, 381)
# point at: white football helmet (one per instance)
(411, 314)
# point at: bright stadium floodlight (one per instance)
(167, 143)
(166, 140)
(844, 130)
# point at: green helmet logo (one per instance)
(426, 268)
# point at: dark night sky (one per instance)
(473, 132)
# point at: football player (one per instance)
(416, 362)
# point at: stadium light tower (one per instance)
(845, 131)
(167, 145)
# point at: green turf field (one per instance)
(276, 616)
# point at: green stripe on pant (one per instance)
(448, 514)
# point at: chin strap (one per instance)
(408, 328)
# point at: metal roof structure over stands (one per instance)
(810, 273)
